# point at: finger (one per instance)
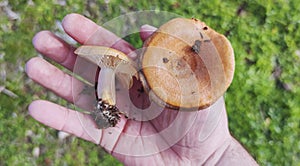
(146, 31)
(79, 27)
(55, 48)
(64, 119)
(87, 32)
(59, 82)
(50, 77)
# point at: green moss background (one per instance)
(263, 101)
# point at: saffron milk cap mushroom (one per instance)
(186, 65)
(112, 63)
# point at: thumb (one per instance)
(146, 30)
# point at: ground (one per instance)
(263, 102)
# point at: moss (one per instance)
(263, 101)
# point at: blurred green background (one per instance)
(263, 102)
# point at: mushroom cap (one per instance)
(186, 65)
(106, 57)
(102, 56)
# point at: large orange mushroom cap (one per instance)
(186, 65)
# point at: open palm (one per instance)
(169, 138)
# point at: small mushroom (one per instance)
(186, 65)
(112, 62)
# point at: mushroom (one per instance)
(111, 62)
(186, 65)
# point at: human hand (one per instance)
(170, 138)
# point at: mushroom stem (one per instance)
(106, 86)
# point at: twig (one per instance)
(7, 92)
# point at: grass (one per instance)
(263, 102)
